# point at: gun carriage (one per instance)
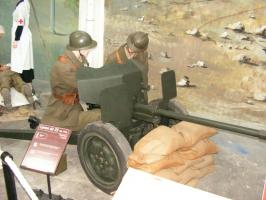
(126, 116)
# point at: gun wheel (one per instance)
(103, 151)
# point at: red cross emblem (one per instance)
(20, 21)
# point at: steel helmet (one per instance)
(80, 40)
(138, 41)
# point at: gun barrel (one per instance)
(207, 122)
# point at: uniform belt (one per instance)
(69, 98)
(118, 58)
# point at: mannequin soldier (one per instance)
(135, 48)
(10, 79)
(21, 50)
(64, 109)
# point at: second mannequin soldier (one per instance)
(135, 48)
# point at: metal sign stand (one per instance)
(49, 186)
(9, 178)
(10, 169)
(49, 142)
(43, 196)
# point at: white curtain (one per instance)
(91, 20)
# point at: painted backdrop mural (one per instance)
(219, 46)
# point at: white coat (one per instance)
(22, 56)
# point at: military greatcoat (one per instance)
(64, 108)
(119, 57)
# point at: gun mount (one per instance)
(126, 117)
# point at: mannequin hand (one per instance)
(4, 68)
(15, 44)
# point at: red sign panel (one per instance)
(46, 149)
(264, 192)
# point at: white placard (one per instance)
(139, 185)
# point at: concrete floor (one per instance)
(240, 171)
(72, 183)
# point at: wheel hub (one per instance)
(102, 159)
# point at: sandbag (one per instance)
(193, 182)
(200, 149)
(193, 133)
(133, 163)
(137, 159)
(190, 174)
(205, 161)
(187, 176)
(168, 174)
(168, 161)
(160, 141)
(192, 163)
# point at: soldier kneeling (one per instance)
(64, 108)
(9, 79)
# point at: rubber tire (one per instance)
(118, 145)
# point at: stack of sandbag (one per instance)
(181, 153)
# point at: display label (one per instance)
(46, 149)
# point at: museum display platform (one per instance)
(239, 170)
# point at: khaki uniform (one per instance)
(119, 57)
(64, 109)
(10, 79)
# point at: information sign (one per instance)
(46, 149)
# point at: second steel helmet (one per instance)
(138, 41)
(80, 40)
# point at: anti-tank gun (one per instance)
(126, 116)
